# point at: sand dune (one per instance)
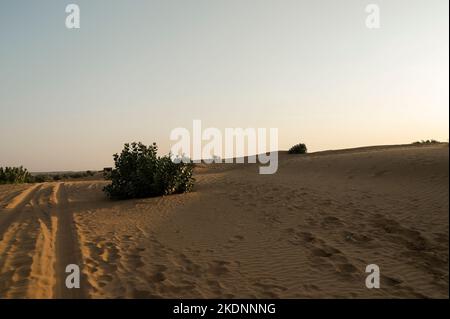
(306, 232)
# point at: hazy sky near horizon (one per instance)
(135, 70)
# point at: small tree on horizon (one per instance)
(298, 149)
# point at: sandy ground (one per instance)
(306, 232)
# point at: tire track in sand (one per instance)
(18, 233)
(38, 239)
(67, 248)
(14, 209)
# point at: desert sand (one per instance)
(307, 231)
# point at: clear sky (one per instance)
(135, 70)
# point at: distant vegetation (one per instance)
(78, 174)
(139, 173)
(71, 175)
(19, 175)
(298, 149)
(14, 175)
(426, 142)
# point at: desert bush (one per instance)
(139, 173)
(107, 173)
(90, 173)
(15, 175)
(298, 149)
(426, 142)
(76, 175)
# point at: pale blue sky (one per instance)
(135, 70)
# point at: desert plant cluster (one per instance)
(15, 175)
(298, 149)
(139, 172)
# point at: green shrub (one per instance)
(298, 149)
(15, 175)
(139, 173)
